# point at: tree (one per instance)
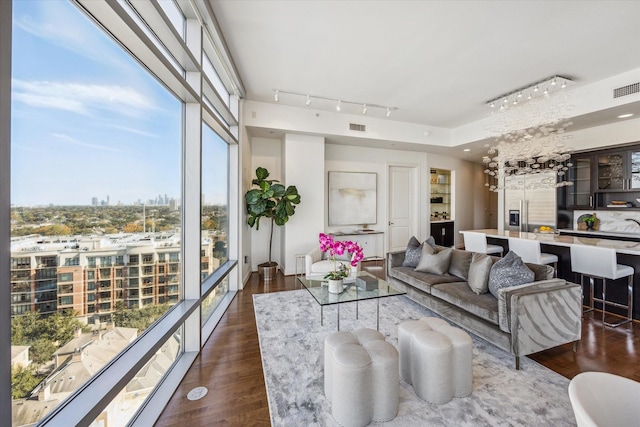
(23, 380)
(270, 200)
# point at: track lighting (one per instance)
(339, 102)
(519, 96)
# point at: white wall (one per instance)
(266, 153)
(304, 168)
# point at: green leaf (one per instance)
(265, 186)
(262, 173)
(278, 190)
(253, 196)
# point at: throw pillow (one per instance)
(509, 271)
(412, 254)
(479, 271)
(431, 241)
(434, 262)
(460, 263)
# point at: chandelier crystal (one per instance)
(528, 129)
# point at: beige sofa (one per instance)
(523, 319)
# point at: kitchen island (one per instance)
(628, 253)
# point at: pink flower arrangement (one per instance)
(337, 248)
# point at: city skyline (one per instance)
(103, 122)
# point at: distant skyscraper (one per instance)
(108, 201)
(94, 201)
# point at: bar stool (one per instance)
(601, 263)
(529, 251)
(477, 242)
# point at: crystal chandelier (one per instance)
(528, 129)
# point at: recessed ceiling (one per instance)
(438, 62)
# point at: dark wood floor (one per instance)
(230, 365)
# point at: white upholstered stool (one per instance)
(361, 377)
(529, 251)
(601, 263)
(477, 242)
(436, 358)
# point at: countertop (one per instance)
(438, 221)
(595, 233)
(622, 247)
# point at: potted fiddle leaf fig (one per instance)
(271, 200)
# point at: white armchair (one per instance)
(317, 265)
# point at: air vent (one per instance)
(359, 128)
(626, 90)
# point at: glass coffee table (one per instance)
(319, 289)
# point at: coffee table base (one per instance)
(338, 314)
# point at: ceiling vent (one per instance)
(626, 90)
(356, 127)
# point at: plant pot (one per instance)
(336, 286)
(589, 225)
(267, 271)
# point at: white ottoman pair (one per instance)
(436, 358)
(361, 377)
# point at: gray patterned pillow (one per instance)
(434, 262)
(412, 254)
(414, 250)
(509, 271)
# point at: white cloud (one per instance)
(71, 140)
(82, 98)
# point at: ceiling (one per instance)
(438, 62)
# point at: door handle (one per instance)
(390, 223)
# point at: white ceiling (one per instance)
(438, 62)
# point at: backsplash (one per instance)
(614, 221)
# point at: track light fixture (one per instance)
(548, 85)
(339, 102)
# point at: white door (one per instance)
(403, 203)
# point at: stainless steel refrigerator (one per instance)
(530, 201)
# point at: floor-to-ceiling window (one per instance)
(106, 98)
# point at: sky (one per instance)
(88, 120)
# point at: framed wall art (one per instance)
(352, 198)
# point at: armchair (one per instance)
(317, 265)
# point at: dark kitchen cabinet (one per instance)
(442, 232)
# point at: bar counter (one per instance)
(628, 253)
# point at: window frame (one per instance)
(87, 402)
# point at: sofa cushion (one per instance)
(479, 273)
(418, 280)
(460, 263)
(434, 262)
(460, 294)
(412, 254)
(541, 272)
(509, 271)
(414, 251)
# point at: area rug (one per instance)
(292, 343)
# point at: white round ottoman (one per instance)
(436, 358)
(462, 359)
(361, 377)
(331, 342)
(352, 381)
(431, 366)
(385, 379)
(406, 330)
